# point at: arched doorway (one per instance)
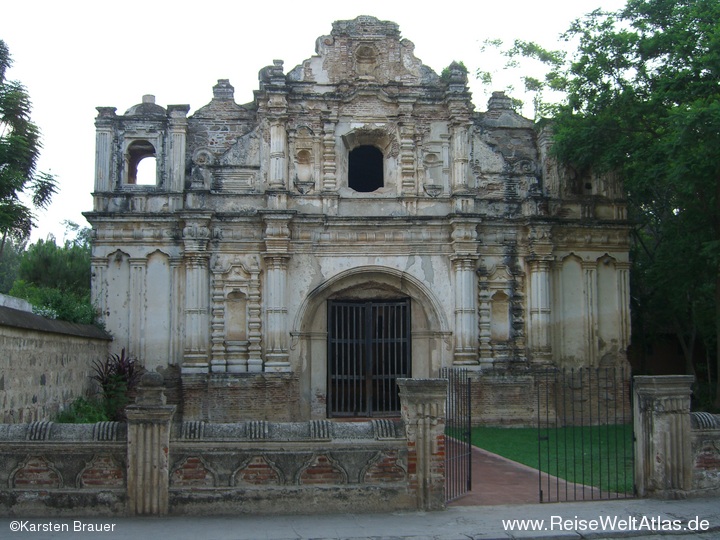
(397, 318)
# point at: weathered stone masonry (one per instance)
(358, 176)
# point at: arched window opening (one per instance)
(365, 169)
(142, 166)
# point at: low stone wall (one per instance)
(584, 396)
(152, 466)
(309, 467)
(45, 364)
(706, 453)
(51, 469)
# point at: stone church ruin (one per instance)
(358, 222)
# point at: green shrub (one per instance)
(118, 377)
(83, 411)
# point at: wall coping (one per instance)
(16, 318)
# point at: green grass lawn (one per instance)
(599, 456)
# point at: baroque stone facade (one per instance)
(358, 221)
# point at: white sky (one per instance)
(74, 55)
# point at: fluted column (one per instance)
(540, 311)
(196, 235)
(276, 257)
(465, 310)
(464, 263)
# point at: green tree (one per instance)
(56, 279)
(19, 151)
(9, 264)
(642, 99)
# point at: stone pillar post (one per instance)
(422, 404)
(663, 458)
(148, 448)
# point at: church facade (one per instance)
(358, 222)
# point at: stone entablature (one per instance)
(259, 214)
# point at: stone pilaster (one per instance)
(104, 138)
(177, 133)
(276, 256)
(464, 262)
(540, 312)
(196, 235)
(148, 448)
(590, 288)
(663, 452)
(422, 404)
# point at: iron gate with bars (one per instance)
(458, 431)
(585, 434)
(368, 350)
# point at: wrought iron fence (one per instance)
(585, 434)
(458, 430)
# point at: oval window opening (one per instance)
(365, 169)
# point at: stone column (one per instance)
(663, 452)
(105, 134)
(176, 156)
(148, 448)
(591, 308)
(422, 404)
(540, 311)
(464, 262)
(276, 256)
(196, 235)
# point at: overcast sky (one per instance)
(73, 56)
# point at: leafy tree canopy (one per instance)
(19, 151)
(55, 279)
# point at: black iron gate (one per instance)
(585, 434)
(368, 350)
(458, 429)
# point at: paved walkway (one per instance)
(497, 480)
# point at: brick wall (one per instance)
(44, 364)
(221, 398)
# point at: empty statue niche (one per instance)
(365, 62)
(141, 163)
(365, 169)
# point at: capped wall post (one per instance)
(148, 448)
(663, 459)
(422, 405)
